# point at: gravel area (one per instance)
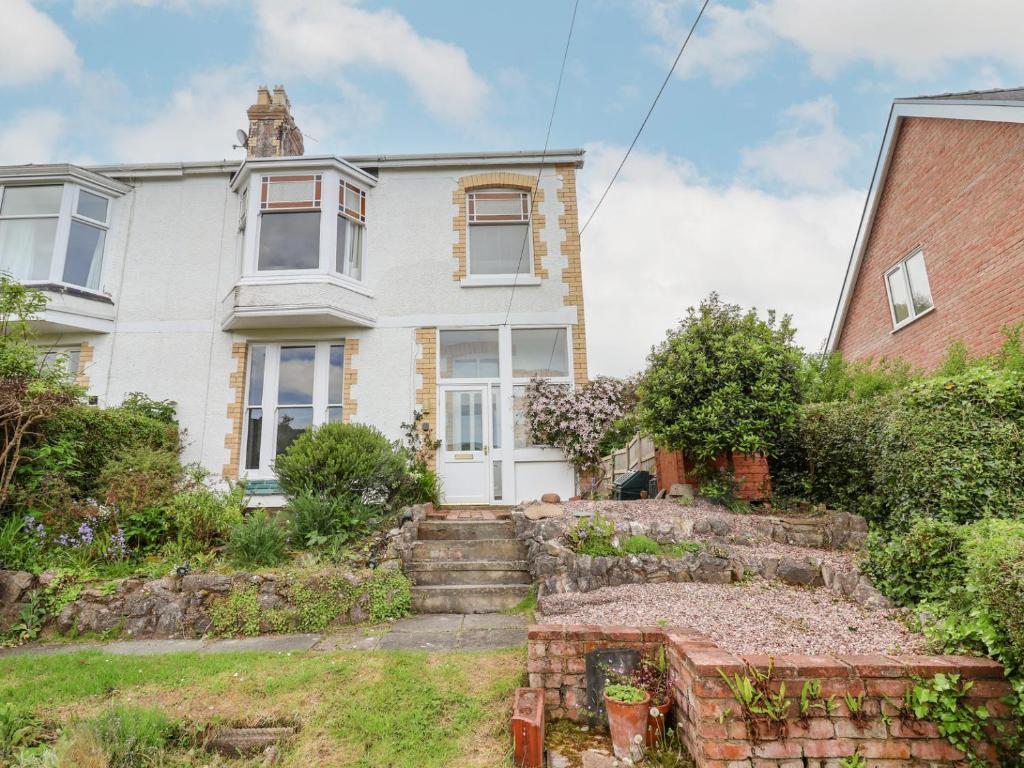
(762, 617)
(656, 510)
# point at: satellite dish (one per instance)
(243, 138)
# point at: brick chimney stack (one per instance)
(272, 129)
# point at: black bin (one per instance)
(631, 485)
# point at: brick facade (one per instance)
(753, 480)
(711, 721)
(955, 189)
(426, 389)
(86, 352)
(350, 377)
(530, 184)
(233, 439)
(572, 275)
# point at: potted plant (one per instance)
(651, 676)
(627, 708)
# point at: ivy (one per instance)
(236, 614)
(942, 701)
(390, 595)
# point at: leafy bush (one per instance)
(593, 536)
(830, 378)
(342, 460)
(203, 516)
(141, 484)
(627, 694)
(640, 545)
(144, 405)
(725, 381)
(926, 563)
(19, 544)
(316, 521)
(420, 486)
(257, 541)
(131, 737)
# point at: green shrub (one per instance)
(420, 486)
(131, 737)
(141, 483)
(19, 546)
(925, 563)
(390, 595)
(237, 614)
(593, 536)
(144, 405)
(342, 460)
(203, 516)
(257, 542)
(682, 548)
(640, 545)
(316, 521)
(826, 378)
(18, 729)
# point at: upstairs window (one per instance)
(910, 296)
(351, 230)
(289, 222)
(54, 233)
(499, 232)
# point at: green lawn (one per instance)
(372, 710)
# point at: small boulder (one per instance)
(594, 759)
(551, 498)
(14, 585)
(542, 511)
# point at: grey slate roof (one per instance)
(995, 94)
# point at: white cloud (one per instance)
(809, 153)
(910, 38)
(31, 136)
(86, 8)
(198, 123)
(32, 46)
(324, 38)
(665, 238)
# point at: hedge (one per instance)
(947, 448)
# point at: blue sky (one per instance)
(749, 179)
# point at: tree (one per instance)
(577, 420)
(723, 381)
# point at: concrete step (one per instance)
(477, 549)
(470, 572)
(464, 530)
(469, 598)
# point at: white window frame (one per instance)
(499, 278)
(331, 201)
(356, 219)
(270, 404)
(67, 351)
(901, 268)
(65, 214)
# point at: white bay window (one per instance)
(291, 386)
(53, 233)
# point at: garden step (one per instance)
(469, 598)
(470, 572)
(477, 549)
(463, 530)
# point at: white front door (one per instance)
(465, 444)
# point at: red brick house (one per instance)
(939, 255)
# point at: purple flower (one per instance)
(85, 533)
(118, 547)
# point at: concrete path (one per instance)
(433, 632)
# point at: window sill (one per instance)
(911, 320)
(70, 290)
(298, 278)
(492, 281)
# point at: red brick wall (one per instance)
(750, 472)
(955, 188)
(710, 718)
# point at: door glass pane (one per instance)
(920, 292)
(254, 433)
(85, 255)
(495, 417)
(257, 364)
(539, 353)
(898, 291)
(499, 249)
(290, 240)
(92, 206)
(336, 376)
(334, 414)
(31, 201)
(295, 380)
(26, 247)
(469, 354)
(496, 472)
(291, 422)
(464, 421)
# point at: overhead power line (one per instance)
(647, 116)
(543, 155)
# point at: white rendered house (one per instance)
(285, 291)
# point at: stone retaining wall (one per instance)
(712, 722)
(168, 607)
(558, 569)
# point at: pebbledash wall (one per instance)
(712, 723)
(955, 190)
(174, 254)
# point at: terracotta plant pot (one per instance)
(656, 725)
(627, 722)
